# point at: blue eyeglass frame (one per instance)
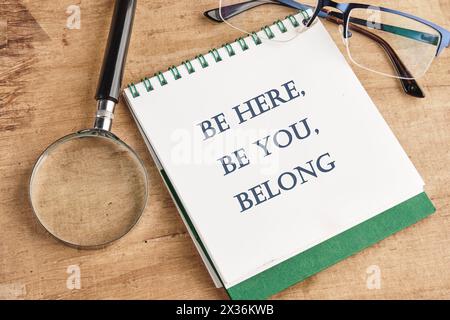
(346, 8)
(342, 17)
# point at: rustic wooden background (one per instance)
(48, 75)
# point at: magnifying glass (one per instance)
(89, 188)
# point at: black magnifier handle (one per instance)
(110, 80)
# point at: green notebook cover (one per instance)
(325, 254)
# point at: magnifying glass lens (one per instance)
(88, 190)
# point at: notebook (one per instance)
(278, 161)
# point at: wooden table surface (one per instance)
(48, 76)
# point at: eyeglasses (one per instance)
(381, 40)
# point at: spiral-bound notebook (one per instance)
(277, 159)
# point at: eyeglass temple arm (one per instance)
(407, 33)
(411, 87)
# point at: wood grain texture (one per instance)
(48, 75)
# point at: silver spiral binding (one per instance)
(214, 53)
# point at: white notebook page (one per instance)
(371, 171)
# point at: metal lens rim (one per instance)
(96, 133)
(347, 46)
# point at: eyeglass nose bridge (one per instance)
(342, 7)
